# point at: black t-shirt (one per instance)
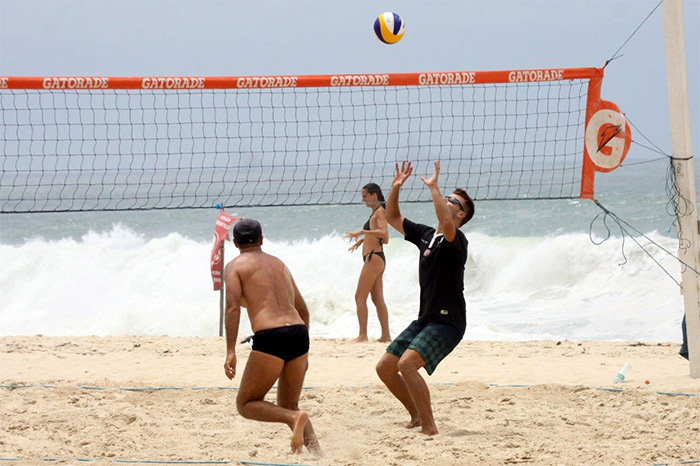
(441, 275)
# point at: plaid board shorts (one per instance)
(433, 342)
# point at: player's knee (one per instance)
(385, 368)
(408, 364)
(240, 405)
(379, 368)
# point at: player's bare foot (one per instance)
(298, 431)
(313, 446)
(429, 430)
(360, 339)
(414, 422)
(386, 339)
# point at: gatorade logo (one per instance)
(535, 76)
(607, 138)
(75, 83)
(172, 83)
(447, 78)
(361, 80)
(263, 82)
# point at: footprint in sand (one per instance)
(463, 433)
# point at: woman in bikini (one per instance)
(374, 235)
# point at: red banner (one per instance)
(223, 225)
(445, 78)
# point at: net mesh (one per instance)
(77, 150)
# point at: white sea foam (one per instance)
(559, 287)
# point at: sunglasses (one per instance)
(455, 201)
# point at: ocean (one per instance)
(533, 271)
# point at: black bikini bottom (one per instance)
(368, 257)
(288, 342)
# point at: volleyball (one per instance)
(389, 27)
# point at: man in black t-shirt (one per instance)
(442, 317)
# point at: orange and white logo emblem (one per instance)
(607, 137)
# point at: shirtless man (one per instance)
(279, 317)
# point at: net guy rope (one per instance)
(142, 143)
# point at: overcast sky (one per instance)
(234, 38)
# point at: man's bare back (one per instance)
(267, 290)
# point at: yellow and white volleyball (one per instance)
(389, 27)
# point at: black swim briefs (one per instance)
(288, 342)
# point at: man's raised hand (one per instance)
(432, 182)
(401, 174)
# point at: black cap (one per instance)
(247, 231)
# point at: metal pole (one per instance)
(221, 293)
(682, 151)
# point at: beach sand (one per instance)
(68, 398)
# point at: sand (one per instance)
(167, 399)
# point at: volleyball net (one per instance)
(105, 143)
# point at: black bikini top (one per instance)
(367, 226)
